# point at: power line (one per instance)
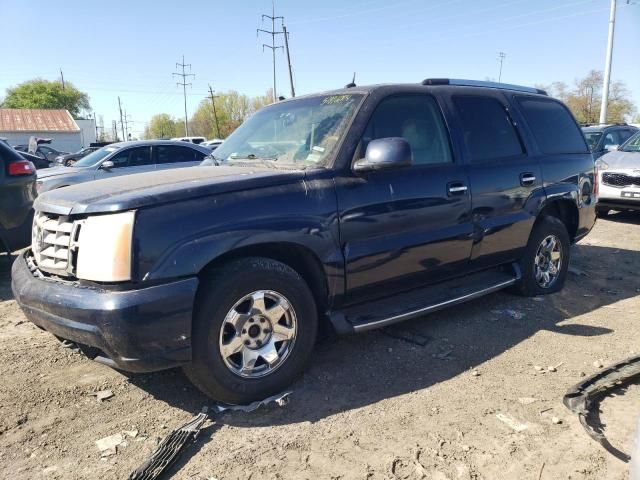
(286, 47)
(121, 122)
(273, 45)
(184, 90)
(215, 114)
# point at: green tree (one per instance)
(40, 93)
(584, 100)
(163, 125)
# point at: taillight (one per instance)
(21, 167)
(596, 182)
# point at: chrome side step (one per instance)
(381, 313)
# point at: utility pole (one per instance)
(607, 67)
(126, 125)
(273, 45)
(62, 78)
(184, 90)
(121, 122)
(286, 47)
(215, 114)
(114, 130)
(502, 55)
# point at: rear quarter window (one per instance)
(552, 125)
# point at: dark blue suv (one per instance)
(359, 207)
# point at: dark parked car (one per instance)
(606, 138)
(360, 208)
(17, 192)
(123, 159)
(43, 151)
(71, 158)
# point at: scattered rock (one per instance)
(130, 433)
(527, 400)
(598, 364)
(538, 368)
(103, 395)
(556, 420)
(466, 448)
(551, 368)
(475, 373)
(108, 446)
(511, 422)
(515, 314)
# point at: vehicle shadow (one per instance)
(355, 371)
(630, 217)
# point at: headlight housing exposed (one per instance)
(601, 164)
(105, 246)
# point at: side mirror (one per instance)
(611, 148)
(107, 165)
(383, 153)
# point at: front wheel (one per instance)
(546, 259)
(254, 330)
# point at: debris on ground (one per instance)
(515, 314)
(577, 271)
(597, 364)
(511, 422)
(556, 420)
(103, 395)
(475, 373)
(584, 398)
(108, 446)
(527, 400)
(406, 334)
(554, 368)
(538, 368)
(281, 400)
(169, 449)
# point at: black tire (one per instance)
(544, 227)
(218, 294)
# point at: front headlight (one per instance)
(104, 248)
(601, 164)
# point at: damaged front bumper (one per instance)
(136, 330)
(585, 396)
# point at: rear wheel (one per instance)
(546, 260)
(254, 330)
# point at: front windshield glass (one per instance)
(631, 145)
(95, 157)
(592, 139)
(299, 133)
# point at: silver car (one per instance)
(123, 159)
(619, 175)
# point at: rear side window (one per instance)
(177, 154)
(552, 125)
(488, 131)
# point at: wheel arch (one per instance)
(565, 210)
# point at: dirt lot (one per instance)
(371, 406)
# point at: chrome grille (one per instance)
(619, 179)
(52, 243)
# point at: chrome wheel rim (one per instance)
(257, 334)
(548, 261)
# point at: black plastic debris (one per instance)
(584, 398)
(169, 449)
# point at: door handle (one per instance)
(527, 179)
(456, 188)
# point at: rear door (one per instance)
(176, 156)
(505, 180)
(128, 161)
(404, 227)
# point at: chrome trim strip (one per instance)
(431, 308)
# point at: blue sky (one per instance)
(129, 48)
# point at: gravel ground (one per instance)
(371, 406)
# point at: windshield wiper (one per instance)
(252, 156)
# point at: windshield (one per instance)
(300, 133)
(631, 145)
(592, 139)
(95, 157)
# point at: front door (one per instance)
(127, 161)
(404, 227)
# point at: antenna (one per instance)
(353, 82)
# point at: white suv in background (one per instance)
(196, 140)
(619, 173)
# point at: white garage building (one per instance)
(17, 125)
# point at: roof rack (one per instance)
(478, 83)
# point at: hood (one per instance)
(624, 160)
(152, 188)
(57, 171)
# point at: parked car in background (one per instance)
(17, 192)
(619, 173)
(71, 158)
(44, 151)
(196, 140)
(123, 158)
(360, 207)
(212, 144)
(605, 138)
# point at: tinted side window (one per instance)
(552, 125)
(417, 119)
(132, 157)
(488, 131)
(175, 154)
(120, 159)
